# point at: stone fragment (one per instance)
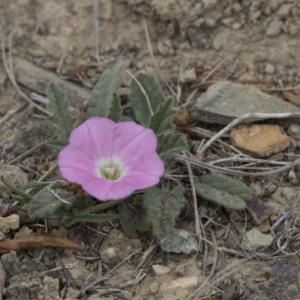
(259, 140)
(160, 270)
(274, 28)
(270, 69)
(259, 210)
(178, 241)
(182, 283)
(188, 76)
(154, 287)
(117, 246)
(254, 239)
(165, 48)
(294, 131)
(225, 101)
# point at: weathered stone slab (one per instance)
(225, 101)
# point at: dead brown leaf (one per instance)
(38, 240)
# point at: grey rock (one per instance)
(274, 28)
(254, 239)
(178, 241)
(225, 101)
(294, 131)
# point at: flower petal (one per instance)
(104, 189)
(75, 166)
(148, 165)
(131, 141)
(94, 137)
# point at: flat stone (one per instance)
(188, 76)
(182, 283)
(178, 241)
(254, 239)
(160, 270)
(259, 140)
(274, 28)
(225, 101)
(259, 210)
(154, 287)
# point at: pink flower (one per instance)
(111, 160)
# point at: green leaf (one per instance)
(102, 96)
(145, 107)
(100, 207)
(33, 185)
(170, 143)
(94, 218)
(133, 218)
(22, 196)
(61, 118)
(49, 200)
(227, 192)
(161, 121)
(162, 208)
(115, 111)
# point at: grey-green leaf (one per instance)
(162, 207)
(170, 143)
(115, 111)
(61, 118)
(102, 95)
(145, 107)
(50, 199)
(161, 121)
(227, 192)
(94, 218)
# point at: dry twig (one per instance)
(241, 119)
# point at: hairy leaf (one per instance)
(170, 143)
(102, 96)
(49, 200)
(132, 218)
(161, 121)
(162, 208)
(94, 218)
(115, 111)
(145, 107)
(224, 191)
(61, 118)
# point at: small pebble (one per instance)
(154, 287)
(270, 69)
(274, 28)
(160, 270)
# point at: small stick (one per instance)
(197, 224)
(235, 172)
(143, 91)
(245, 117)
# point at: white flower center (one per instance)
(111, 170)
